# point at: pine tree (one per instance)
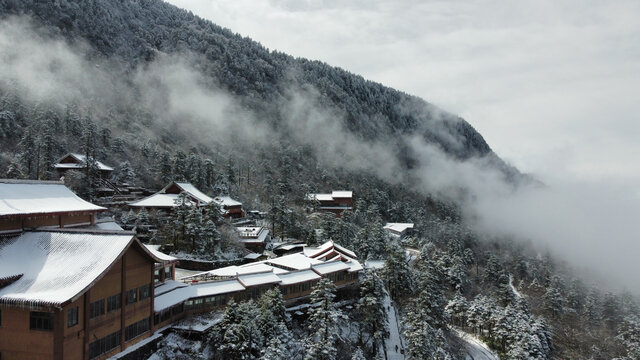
(323, 322)
(396, 273)
(553, 297)
(456, 309)
(125, 173)
(371, 310)
(179, 219)
(14, 172)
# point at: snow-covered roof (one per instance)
(234, 270)
(23, 197)
(314, 251)
(80, 164)
(345, 251)
(162, 199)
(258, 279)
(168, 285)
(216, 288)
(155, 250)
(374, 264)
(170, 298)
(252, 234)
(157, 201)
(106, 225)
(296, 261)
(320, 197)
(297, 277)
(287, 246)
(181, 294)
(252, 256)
(354, 265)
(330, 267)
(226, 201)
(56, 266)
(341, 194)
(193, 191)
(398, 227)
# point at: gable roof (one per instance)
(226, 201)
(80, 164)
(399, 227)
(23, 197)
(193, 191)
(162, 199)
(58, 266)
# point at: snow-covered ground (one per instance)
(199, 323)
(475, 348)
(395, 339)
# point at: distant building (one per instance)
(230, 208)
(74, 294)
(166, 198)
(27, 204)
(73, 161)
(295, 275)
(253, 238)
(336, 202)
(399, 230)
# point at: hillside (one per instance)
(137, 31)
(162, 95)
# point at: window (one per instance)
(40, 320)
(145, 292)
(96, 309)
(104, 345)
(72, 317)
(137, 329)
(114, 302)
(132, 296)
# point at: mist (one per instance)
(588, 224)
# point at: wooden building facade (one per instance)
(28, 204)
(97, 306)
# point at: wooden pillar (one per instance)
(123, 300)
(152, 297)
(85, 324)
(58, 334)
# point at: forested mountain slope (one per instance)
(163, 95)
(135, 31)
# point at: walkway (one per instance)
(395, 338)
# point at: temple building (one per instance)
(336, 202)
(28, 204)
(73, 161)
(74, 294)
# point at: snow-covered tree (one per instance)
(396, 272)
(372, 313)
(324, 318)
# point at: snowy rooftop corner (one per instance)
(40, 197)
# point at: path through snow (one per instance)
(394, 332)
(476, 349)
(513, 288)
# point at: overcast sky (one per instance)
(552, 85)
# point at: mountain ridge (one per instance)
(136, 30)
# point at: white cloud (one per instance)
(551, 85)
(534, 78)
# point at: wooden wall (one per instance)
(18, 342)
